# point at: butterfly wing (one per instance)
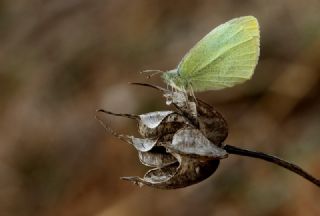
(225, 57)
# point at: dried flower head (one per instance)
(183, 147)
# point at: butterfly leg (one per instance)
(192, 94)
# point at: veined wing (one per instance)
(224, 57)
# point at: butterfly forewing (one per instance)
(223, 58)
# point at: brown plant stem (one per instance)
(272, 159)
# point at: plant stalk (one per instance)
(272, 159)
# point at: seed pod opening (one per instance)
(187, 172)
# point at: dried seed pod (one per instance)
(187, 172)
(183, 146)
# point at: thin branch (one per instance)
(149, 85)
(260, 155)
(130, 116)
(110, 130)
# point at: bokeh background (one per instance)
(62, 60)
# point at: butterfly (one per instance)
(225, 57)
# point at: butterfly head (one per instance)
(173, 79)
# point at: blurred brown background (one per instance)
(61, 60)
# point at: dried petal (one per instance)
(183, 103)
(152, 125)
(143, 145)
(175, 97)
(157, 157)
(166, 122)
(189, 141)
(211, 123)
(153, 119)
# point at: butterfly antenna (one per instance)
(154, 72)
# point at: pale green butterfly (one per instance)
(225, 57)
